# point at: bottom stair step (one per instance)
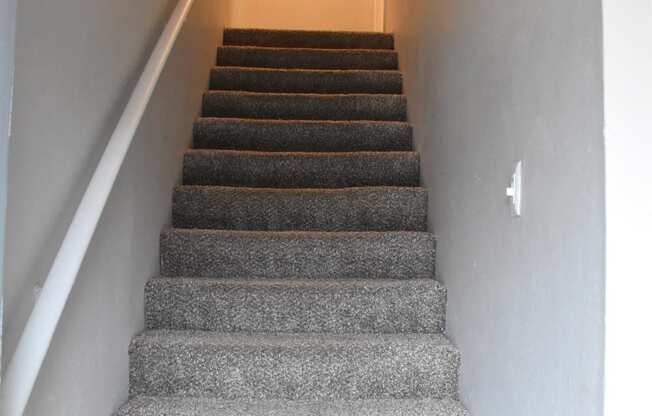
(167, 406)
(293, 367)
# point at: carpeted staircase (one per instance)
(298, 276)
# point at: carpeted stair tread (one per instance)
(303, 255)
(347, 209)
(242, 104)
(298, 277)
(296, 306)
(306, 81)
(308, 39)
(176, 406)
(300, 170)
(248, 56)
(237, 366)
(301, 135)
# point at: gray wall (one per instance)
(76, 64)
(7, 34)
(491, 83)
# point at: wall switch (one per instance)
(515, 191)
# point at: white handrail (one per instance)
(23, 369)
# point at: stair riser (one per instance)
(301, 136)
(283, 170)
(378, 209)
(306, 58)
(295, 307)
(246, 255)
(334, 82)
(305, 106)
(308, 39)
(174, 406)
(295, 371)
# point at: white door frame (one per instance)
(628, 150)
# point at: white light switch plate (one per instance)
(515, 191)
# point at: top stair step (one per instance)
(308, 39)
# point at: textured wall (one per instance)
(76, 65)
(357, 15)
(491, 83)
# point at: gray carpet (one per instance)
(254, 57)
(296, 305)
(294, 254)
(298, 275)
(300, 170)
(288, 106)
(349, 209)
(308, 39)
(301, 135)
(175, 406)
(306, 81)
(237, 366)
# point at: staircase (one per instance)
(298, 275)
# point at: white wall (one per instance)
(7, 34)
(352, 15)
(628, 115)
(76, 64)
(491, 83)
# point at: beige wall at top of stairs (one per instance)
(349, 15)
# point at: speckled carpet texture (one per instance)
(298, 276)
